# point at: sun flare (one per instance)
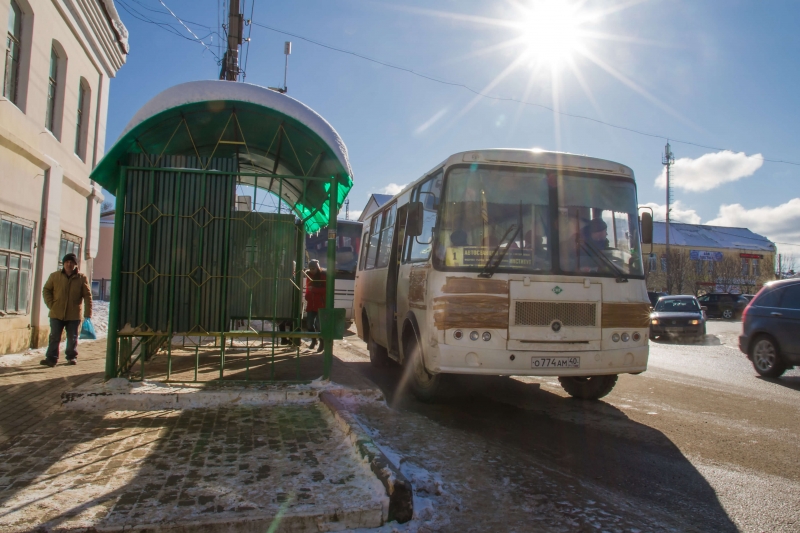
(551, 31)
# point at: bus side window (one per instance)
(387, 232)
(429, 193)
(374, 239)
(362, 258)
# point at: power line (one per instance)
(187, 28)
(162, 25)
(509, 99)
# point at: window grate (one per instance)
(544, 313)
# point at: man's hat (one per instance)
(70, 257)
(313, 263)
(596, 225)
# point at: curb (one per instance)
(398, 488)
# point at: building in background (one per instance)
(375, 202)
(708, 259)
(59, 58)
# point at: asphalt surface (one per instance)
(696, 443)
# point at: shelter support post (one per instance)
(116, 266)
(330, 282)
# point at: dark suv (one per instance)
(770, 326)
(724, 305)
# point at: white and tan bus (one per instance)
(508, 262)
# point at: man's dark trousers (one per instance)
(58, 326)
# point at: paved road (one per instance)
(696, 443)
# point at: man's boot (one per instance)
(313, 343)
(321, 345)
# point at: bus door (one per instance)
(415, 264)
(391, 280)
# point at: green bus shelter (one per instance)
(202, 274)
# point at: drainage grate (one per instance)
(544, 313)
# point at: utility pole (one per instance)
(668, 160)
(347, 209)
(230, 61)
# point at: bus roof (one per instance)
(538, 158)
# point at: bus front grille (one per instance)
(544, 313)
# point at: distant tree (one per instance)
(728, 273)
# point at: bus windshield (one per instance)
(348, 242)
(598, 226)
(494, 211)
(504, 217)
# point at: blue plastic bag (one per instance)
(87, 329)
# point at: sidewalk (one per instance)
(223, 468)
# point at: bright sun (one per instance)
(551, 31)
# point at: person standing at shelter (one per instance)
(65, 294)
(315, 298)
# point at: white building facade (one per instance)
(59, 58)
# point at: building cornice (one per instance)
(89, 22)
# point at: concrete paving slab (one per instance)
(207, 469)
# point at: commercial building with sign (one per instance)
(708, 259)
(59, 58)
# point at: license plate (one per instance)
(673, 329)
(555, 362)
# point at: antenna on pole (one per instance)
(287, 51)
(668, 160)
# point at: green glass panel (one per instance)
(22, 302)
(3, 276)
(5, 234)
(27, 236)
(13, 289)
(16, 237)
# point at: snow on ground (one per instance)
(99, 321)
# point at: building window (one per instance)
(81, 122)
(663, 264)
(745, 267)
(16, 258)
(754, 264)
(70, 244)
(11, 71)
(653, 265)
(52, 91)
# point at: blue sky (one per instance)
(717, 73)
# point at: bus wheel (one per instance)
(588, 387)
(378, 355)
(424, 385)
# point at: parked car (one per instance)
(770, 326)
(654, 296)
(724, 305)
(678, 316)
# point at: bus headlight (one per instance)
(473, 336)
(626, 337)
(615, 337)
(487, 336)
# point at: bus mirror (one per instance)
(646, 223)
(414, 221)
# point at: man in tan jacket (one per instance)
(65, 294)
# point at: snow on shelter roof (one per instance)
(702, 236)
(260, 130)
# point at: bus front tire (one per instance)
(423, 384)
(588, 387)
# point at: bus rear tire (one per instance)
(424, 385)
(588, 387)
(378, 355)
